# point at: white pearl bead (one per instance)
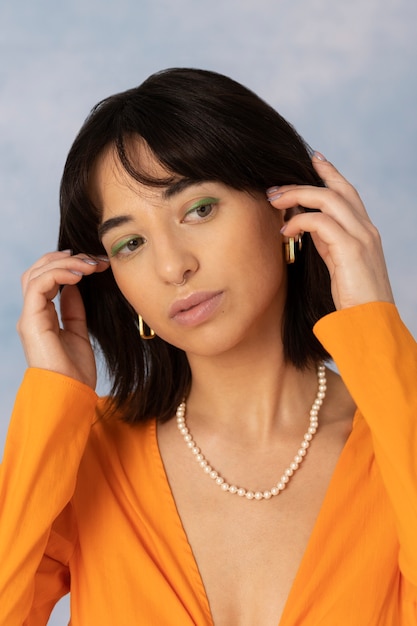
(288, 472)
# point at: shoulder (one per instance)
(112, 437)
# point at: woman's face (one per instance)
(201, 263)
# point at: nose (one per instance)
(174, 260)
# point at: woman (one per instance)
(186, 496)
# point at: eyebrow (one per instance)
(113, 222)
(169, 192)
(177, 186)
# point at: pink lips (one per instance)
(196, 308)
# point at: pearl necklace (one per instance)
(288, 473)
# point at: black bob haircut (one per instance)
(200, 126)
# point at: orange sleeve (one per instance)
(377, 359)
(48, 432)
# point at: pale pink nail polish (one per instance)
(319, 156)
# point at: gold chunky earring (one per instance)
(142, 331)
(289, 248)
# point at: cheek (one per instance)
(129, 285)
(140, 291)
(267, 268)
(265, 256)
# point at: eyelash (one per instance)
(121, 248)
(202, 204)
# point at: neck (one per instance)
(250, 390)
(277, 488)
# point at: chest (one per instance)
(249, 552)
(160, 549)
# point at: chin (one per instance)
(212, 346)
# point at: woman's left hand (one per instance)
(342, 232)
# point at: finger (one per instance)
(43, 261)
(357, 267)
(334, 180)
(324, 230)
(51, 257)
(73, 312)
(79, 265)
(333, 242)
(322, 223)
(38, 313)
(322, 200)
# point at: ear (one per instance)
(294, 210)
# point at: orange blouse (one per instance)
(85, 504)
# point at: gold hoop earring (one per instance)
(142, 331)
(289, 248)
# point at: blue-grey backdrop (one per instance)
(344, 73)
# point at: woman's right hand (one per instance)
(64, 349)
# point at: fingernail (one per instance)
(283, 229)
(101, 257)
(319, 156)
(272, 190)
(66, 251)
(76, 273)
(274, 197)
(90, 261)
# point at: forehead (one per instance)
(110, 183)
(108, 172)
(112, 189)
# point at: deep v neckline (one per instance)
(180, 538)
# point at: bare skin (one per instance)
(247, 419)
(248, 553)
